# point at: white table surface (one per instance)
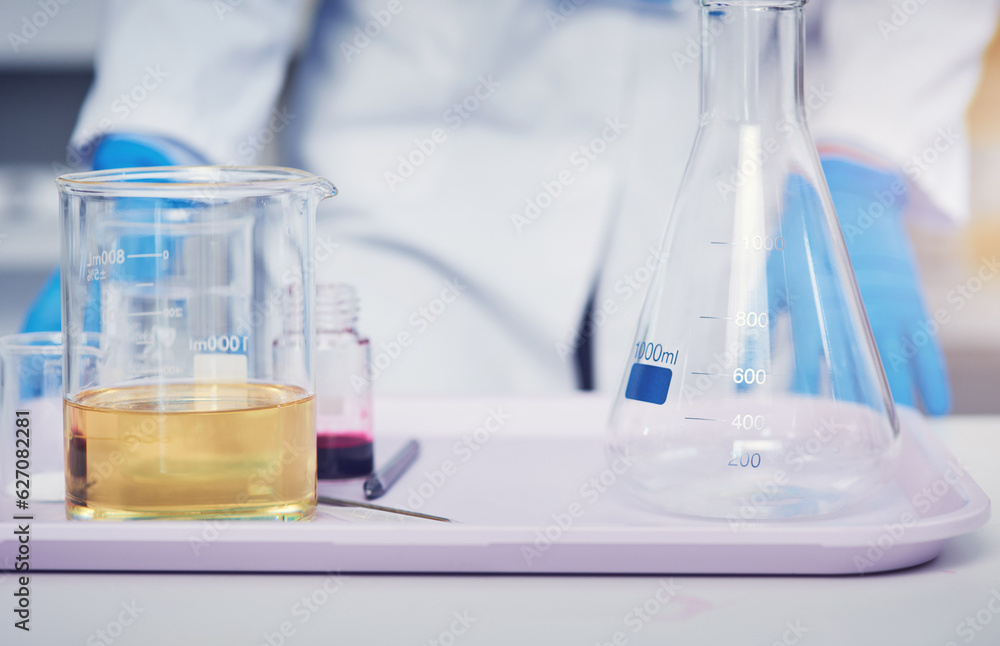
(929, 604)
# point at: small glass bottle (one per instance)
(343, 387)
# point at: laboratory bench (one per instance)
(955, 598)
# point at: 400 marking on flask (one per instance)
(651, 382)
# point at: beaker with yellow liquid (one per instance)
(173, 278)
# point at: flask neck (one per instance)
(751, 62)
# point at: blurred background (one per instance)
(43, 84)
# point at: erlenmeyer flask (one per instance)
(753, 389)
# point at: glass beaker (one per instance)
(31, 416)
(753, 389)
(178, 273)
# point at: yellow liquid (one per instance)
(191, 451)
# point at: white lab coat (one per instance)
(554, 174)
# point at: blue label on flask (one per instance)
(648, 383)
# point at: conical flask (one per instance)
(753, 388)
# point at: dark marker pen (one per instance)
(379, 482)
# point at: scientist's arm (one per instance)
(179, 82)
(897, 85)
(195, 79)
(887, 101)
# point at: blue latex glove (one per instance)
(801, 274)
(869, 205)
(119, 150)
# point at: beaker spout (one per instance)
(324, 188)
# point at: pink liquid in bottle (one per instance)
(343, 454)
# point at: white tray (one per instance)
(515, 500)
